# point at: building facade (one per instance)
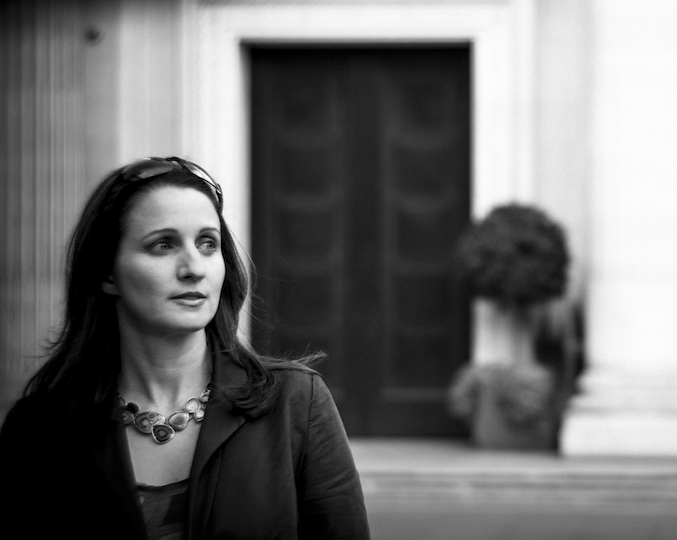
(569, 108)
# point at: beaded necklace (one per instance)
(161, 428)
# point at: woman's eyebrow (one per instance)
(167, 230)
(170, 230)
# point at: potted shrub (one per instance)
(513, 262)
(516, 256)
(506, 406)
(516, 260)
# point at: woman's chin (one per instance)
(180, 328)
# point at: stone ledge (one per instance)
(440, 474)
(635, 493)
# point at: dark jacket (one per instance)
(285, 475)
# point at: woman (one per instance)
(151, 419)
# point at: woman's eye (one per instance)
(161, 247)
(208, 245)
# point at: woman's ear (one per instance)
(108, 286)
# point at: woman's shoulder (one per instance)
(299, 382)
(23, 416)
(294, 376)
(48, 413)
(28, 405)
(258, 384)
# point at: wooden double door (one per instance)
(360, 187)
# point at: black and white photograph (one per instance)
(338, 269)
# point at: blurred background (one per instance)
(364, 148)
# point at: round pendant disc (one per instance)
(179, 420)
(145, 421)
(192, 405)
(162, 433)
(132, 408)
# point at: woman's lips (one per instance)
(190, 299)
(190, 295)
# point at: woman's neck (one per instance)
(162, 373)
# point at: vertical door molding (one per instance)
(151, 84)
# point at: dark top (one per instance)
(164, 509)
(288, 474)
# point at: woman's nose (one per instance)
(191, 265)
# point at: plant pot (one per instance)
(491, 429)
(504, 333)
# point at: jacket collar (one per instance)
(110, 451)
(108, 446)
(221, 421)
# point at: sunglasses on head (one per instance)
(154, 166)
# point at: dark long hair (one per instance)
(81, 372)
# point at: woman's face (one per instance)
(169, 270)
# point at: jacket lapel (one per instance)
(220, 422)
(110, 452)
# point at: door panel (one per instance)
(360, 188)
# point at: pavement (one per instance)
(433, 489)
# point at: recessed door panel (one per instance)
(361, 185)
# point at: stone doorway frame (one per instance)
(216, 118)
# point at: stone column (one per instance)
(628, 399)
(42, 49)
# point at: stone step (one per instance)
(637, 493)
(439, 474)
